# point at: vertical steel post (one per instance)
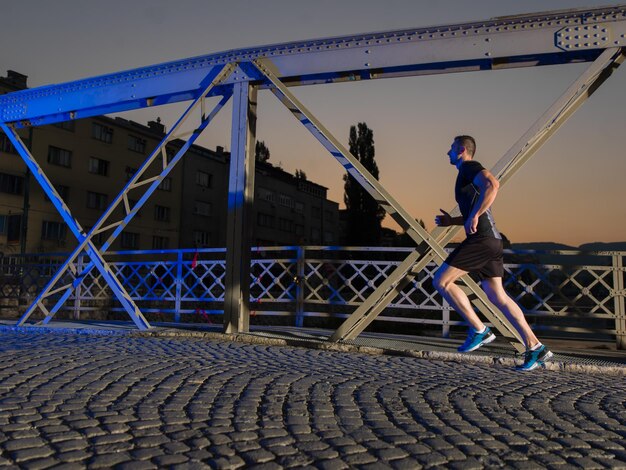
(179, 285)
(240, 199)
(619, 297)
(300, 264)
(80, 264)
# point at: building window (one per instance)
(5, 144)
(11, 184)
(201, 238)
(265, 220)
(285, 200)
(299, 229)
(266, 195)
(328, 215)
(202, 208)
(3, 223)
(166, 184)
(285, 225)
(102, 133)
(329, 237)
(130, 172)
(14, 228)
(160, 243)
(315, 234)
(136, 144)
(63, 191)
(98, 166)
(53, 230)
(130, 240)
(66, 125)
(162, 213)
(96, 200)
(59, 156)
(204, 179)
(316, 212)
(299, 208)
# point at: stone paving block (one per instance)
(470, 463)
(431, 459)
(360, 459)
(136, 465)
(283, 451)
(73, 455)
(245, 446)
(40, 464)
(25, 443)
(150, 441)
(146, 453)
(295, 460)
(228, 463)
(25, 454)
(109, 460)
(170, 459)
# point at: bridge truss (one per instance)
(597, 36)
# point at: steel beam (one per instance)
(148, 185)
(507, 42)
(505, 168)
(381, 196)
(240, 200)
(85, 243)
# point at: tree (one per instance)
(261, 152)
(363, 212)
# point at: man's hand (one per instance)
(444, 220)
(471, 226)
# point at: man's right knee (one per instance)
(440, 280)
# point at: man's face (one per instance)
(455, 152)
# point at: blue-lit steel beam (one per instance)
(158, 156)
(507, 42)
(240, 200)
(85, 243)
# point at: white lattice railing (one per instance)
(566, 291)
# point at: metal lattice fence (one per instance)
(567, 292)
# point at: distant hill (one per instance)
(550, 246)
(542, 246)
(600, 246)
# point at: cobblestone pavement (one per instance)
(116, 401)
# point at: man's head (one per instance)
(463, 148)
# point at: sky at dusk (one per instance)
(572, 191)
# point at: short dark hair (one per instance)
(468, 142)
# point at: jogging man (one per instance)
(481, 253)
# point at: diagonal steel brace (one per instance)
(376, 190)
(506, 167)
(217, 75)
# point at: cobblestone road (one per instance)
(103, 401)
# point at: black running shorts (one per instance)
(479, 254)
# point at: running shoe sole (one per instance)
(487, 340)
(547, 357)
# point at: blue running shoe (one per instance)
(534, 359)
(475, 340)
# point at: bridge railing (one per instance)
(565, 293)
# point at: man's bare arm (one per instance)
(445, 219)
(488, 186)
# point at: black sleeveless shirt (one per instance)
(467, 195)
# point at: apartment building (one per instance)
(89, 161)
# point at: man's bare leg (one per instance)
(444, 282)
(497, 295)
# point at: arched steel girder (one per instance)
(541, 39)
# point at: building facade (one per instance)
(89, 161)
